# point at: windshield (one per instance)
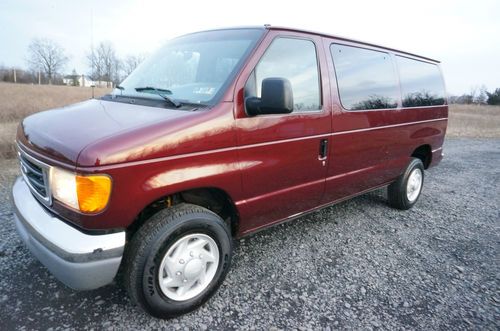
(194, 68)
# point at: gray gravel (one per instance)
(357, 265)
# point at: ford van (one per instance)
(218, 135)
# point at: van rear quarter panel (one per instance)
(414, 127)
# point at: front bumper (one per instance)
(79, 260)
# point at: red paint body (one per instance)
(268, 165)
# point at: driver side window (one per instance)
(295, 60)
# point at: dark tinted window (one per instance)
(421, 83)
(295, 60)
(366, 78)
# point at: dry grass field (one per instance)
(18, 101)
(474, 121)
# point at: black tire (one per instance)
(149, 244)
(397, 191)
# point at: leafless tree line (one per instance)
(476, 95)
(107, 66)
(47, 60)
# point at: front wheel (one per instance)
(405, 191)
(177, 260)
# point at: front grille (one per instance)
(35, 174)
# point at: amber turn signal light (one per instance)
(93, 192)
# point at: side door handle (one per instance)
(323, 149)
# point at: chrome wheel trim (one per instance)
(414, 185)
(188, 267)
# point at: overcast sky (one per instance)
(463, 34)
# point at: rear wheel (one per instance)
(405, 191)
(177, 260)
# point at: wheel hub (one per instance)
(193, 269)
(188, 267)
(414, 185)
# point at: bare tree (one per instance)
(473, 93)
(95, 66)
(131, 62)
(46, 56)
(481, 96)
(105, 64)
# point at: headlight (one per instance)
(88, 194)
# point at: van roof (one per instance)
(268, 26)
(283, 28)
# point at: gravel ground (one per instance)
(357, 265)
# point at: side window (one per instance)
(295, 60)
(366, 78)
(421, 83)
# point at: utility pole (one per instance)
(15, 76)
(39, 78)
(91, 29)
(92, 43)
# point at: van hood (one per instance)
(62, 134)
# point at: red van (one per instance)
(218, 135)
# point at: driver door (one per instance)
(281, 155)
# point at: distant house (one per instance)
(84, 81)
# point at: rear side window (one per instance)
(295, 60)
(421, 83)
(366, 78)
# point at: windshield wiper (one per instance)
(121, 88)
(161, 92)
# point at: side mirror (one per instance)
(277, 98)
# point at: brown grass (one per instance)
(474, 121)
(18, 101)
